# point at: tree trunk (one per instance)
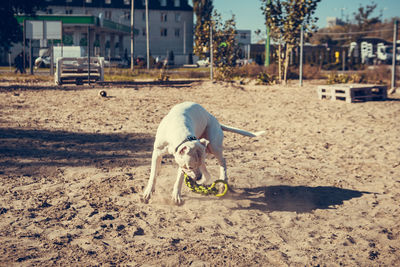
(280, 63)
(286, 61)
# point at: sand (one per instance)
(320, 188)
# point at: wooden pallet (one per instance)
(76, 70)
(352, 92)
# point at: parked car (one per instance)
(242, 62)
(116, 62)
(203, 62)
(44, 58)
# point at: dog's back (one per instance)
(184, 119)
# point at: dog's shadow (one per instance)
(300, 199)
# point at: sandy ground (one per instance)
(321, 188)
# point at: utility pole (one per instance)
(301, 55)
(267, 44)
(211, 52)
(184, 38)
(132, 34)
(24, 44)
(88, 52)
(147, 35)
(393, 89)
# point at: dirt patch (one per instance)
(320, 188)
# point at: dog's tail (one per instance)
(240, 131)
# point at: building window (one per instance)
(144, 31)
(68, 11)
(107, 14)
(178, 17)
(68, 39)
(127, 15)
(88, 1)
(163, 2)
(177, 32)
(164, 32)
(177, 3)
(243, 36)
(49, 11)
(144, 16)
(143, 2)
(163, 17)
(127, 2)
(83, 40)
(108, 2)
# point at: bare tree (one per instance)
(203, 10)
(285, 19)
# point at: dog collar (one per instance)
(187, 139)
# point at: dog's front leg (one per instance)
(155, 167)
(176, 193)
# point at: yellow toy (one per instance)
(206, 190)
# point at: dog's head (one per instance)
(190, 156)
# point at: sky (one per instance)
(249, 16)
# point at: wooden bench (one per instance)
(352, 92)
(76, 70)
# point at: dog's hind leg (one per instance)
(155, 168)
(205, 174)
(217, 152)
(222, 166)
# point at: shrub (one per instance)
(224, 73)
(266, 79)
(379, 74)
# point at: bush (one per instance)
(379, 74)
(224, 73)
(312, 72)
(253, 70)
(266, 79)
(345, 78)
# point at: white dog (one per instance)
(188, 131)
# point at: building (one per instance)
(108, 21)
(243, 38)
(333, 21)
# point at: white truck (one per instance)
(385, 53)
(379, 54)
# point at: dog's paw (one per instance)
(177, 199)
(203, 180)
(146, 196)
(144, 200)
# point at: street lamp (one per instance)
(132, 34)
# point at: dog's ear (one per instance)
(183, 150)
(204, 142)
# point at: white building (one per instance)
(243, 38)
(170, 26)
(333, 21)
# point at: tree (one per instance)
(225, 47)
(285, 18)
(363, 19)
(203, 10)
(359, 26)
(11, 31)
